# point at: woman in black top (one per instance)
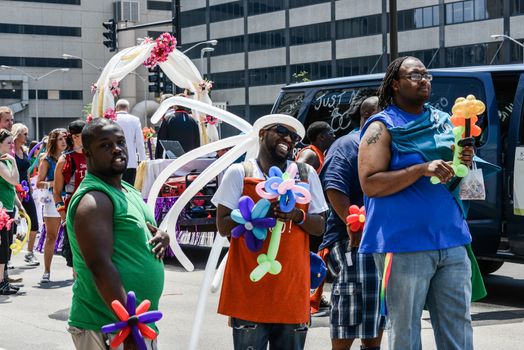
(19, 132)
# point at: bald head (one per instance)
(368, 107)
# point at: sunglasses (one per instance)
(282, 131)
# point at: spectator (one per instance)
(122, 252)
(276, 308)
(45, 180)
(8, 199)
(134, 139)
(69, 173)
(321, 136)
(20, 132)
(178, 125)
(355, 294)
(6, 118)
(422, 224)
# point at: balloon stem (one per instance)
(274, 243)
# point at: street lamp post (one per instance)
(66, 56)
(208, 42)
(202, 53)
(504, 36)
(36, 79)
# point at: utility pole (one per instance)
(393, 30)
(175, 14)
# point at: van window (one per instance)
(445, 90)
(290, 103)
(505, 85)
(338, 107)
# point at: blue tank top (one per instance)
(421, 217)
(50, 176)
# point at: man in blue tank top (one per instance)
(422, 224)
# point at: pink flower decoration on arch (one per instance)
(110, 114)
(165, 44)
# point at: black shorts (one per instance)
(6, 239)
(30, 209)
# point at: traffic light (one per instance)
(167, 84)
(110, 36)
(156, 80)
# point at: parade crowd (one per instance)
(410, 255)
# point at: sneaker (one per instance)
(10, 266)
(45, 278)
(324, 303)
(7, 289)
(31, 259)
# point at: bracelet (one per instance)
(304, 217)
(59, 204)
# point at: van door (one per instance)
(514, 223)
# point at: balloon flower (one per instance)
(5, 220)
(356, 218)
(252, 221)
(23, 189)
(17, 245)
(465, 115)
(280, 186)
(132, 320)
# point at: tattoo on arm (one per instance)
(374, 134)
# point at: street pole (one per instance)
(202, 53)
(504, 36)
(37, 126)
(393, 30)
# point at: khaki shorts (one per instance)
(85, 339)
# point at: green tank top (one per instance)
(139, 270)
(7, 191)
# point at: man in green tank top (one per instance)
(115, 246)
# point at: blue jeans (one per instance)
(249, 335)
(439, 279)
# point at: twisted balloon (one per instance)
(132, 320)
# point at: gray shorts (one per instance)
(85, 339)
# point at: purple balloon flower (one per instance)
(253, 223)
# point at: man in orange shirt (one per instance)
(321, 136)
(274, 310)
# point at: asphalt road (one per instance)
(36, 319)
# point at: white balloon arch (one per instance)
(184, 74)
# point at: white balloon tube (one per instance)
(202, 107)
(183, 160)
(207, 175)
(217, 280)
(166, 173)
(211, 264)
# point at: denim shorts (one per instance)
(355, 306)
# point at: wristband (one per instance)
(59, 204)
(304, 216)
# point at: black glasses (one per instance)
(418, 76)
(283, 131)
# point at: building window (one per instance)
(40, 62)
(62, 94)
(228, 80)
(517, 7)
(360, 26)
(315, 70)
(226, 11)
(65, 2)
(473, 10)
(311, 33)
(423, 17)
(359, 65)
(428, 57)
(12, 28)
(267, 76)
(257, 7)
(15, 94)
(192, 18)
(266, 40)
(159, 5)
(301, 3)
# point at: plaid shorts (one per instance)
(355, 306)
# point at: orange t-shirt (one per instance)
(319, 154)
(282, 298)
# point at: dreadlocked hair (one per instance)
(385, 92)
